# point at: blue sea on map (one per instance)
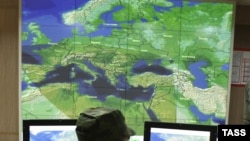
(153, 65)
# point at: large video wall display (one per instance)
(155, 60)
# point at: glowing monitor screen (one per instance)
(159, 131)
(164, 60)
(49, 130)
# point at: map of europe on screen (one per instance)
(155, 60)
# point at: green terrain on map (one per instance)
(143, 66)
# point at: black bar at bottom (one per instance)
(237, 132)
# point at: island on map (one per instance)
(155, 60)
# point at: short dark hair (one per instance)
(102, 124)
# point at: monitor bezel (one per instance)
(44, 122)
(212, 129)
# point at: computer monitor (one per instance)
(164, 131)
(49, 130)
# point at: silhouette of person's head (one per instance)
(102, 124)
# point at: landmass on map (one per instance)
(153, 60)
